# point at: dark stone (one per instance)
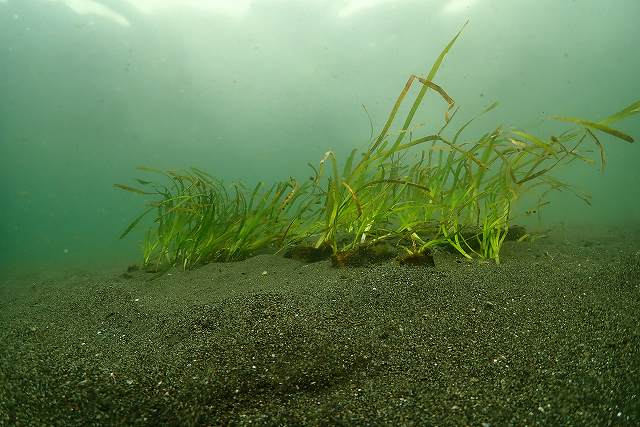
(363, 255)
(515, 232)
(418, 259)
(308, 253)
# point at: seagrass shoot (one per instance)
(403, 196)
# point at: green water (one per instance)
(253, 90)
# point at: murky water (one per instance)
(253, 90)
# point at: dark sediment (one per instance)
(551, 336)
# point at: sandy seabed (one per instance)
(551, 336)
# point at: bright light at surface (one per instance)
(231, 8)
(238, 9)
(92, 7)
(355, 6)
(457, 6)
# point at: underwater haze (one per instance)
(253, 90)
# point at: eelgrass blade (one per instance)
(603, 159)
(536, 141)
(464, 126)
(370, 122)
(443, 94)
(392, 114)
(354, 198)
(135, 222)
(346, 171)
(597, 126)
(634, 108)
(432, 73)
(131, 189)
